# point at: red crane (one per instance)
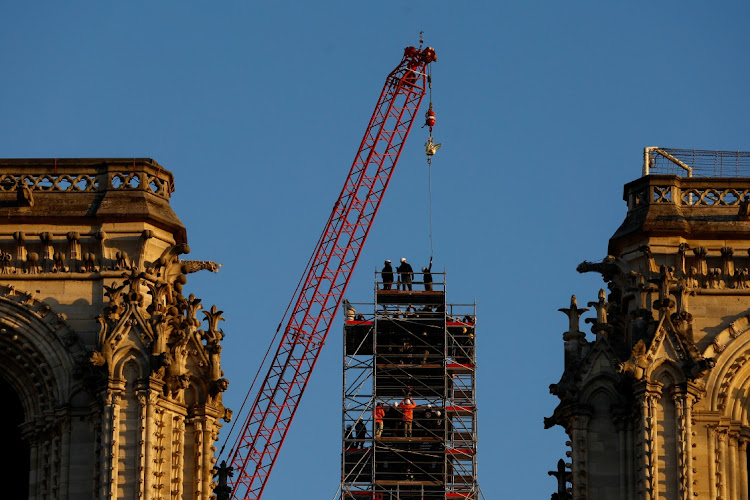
(327, 275)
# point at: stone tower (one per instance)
(655, 400)
(111, 381)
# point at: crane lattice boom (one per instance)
(267, 423)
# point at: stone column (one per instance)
(651, 401)
(178, 455)
(732, 463)
(43, 467)
(621, 422)
(157, 451)
(95, 421)
(742, 448)
(65, 429)
(208, 455)
(20, 238)
(579, 437)
(55, 465)
(722, 464)
(149, 445)
(144, 489)
(623, 460)
(683, 415)
(630, 456)
(29, 433)
(647, 396)
(198, 457)
(692, 394)
(713, 477)
(34, 471)
(110, 444)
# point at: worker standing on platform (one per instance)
(405, 274)
(361, 431)
(387, 275)
(379, 415)
(427, 273)
(407, 410)
(349, 444)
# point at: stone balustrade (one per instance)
(694, 192)
(94, 175)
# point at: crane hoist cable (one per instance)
(430, 150)
(429, 195)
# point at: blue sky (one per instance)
(257, 108)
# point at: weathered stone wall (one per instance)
(119, 378)
(655, 400)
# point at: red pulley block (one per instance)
(430, 117)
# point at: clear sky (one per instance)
(258, 108)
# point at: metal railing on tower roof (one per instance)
(695, 162)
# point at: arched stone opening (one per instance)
(727, 391)
(15, 459)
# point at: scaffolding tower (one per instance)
(414, 354)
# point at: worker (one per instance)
(426, 356)
(427, 273)
(361, 432)
(379, 415)
(348, 445)
(387, 275)
(405, 274)
(432, 421)
(407, 353)
(407, 412)
(349, 311)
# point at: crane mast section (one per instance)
(336, 255)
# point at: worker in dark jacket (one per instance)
(427, 273)
(361, 432)
(349, 443)
(405, 274)
(387, 275)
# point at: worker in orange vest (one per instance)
(407, 410)
(379, 415)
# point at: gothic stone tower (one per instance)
(111, 388)
(656, 400)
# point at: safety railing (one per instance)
(695, 162)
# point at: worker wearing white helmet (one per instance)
(387, 275)
(407, 412)
(405, 275)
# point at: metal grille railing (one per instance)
(695, 162)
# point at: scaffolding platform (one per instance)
(410, 344)
(410, 297)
